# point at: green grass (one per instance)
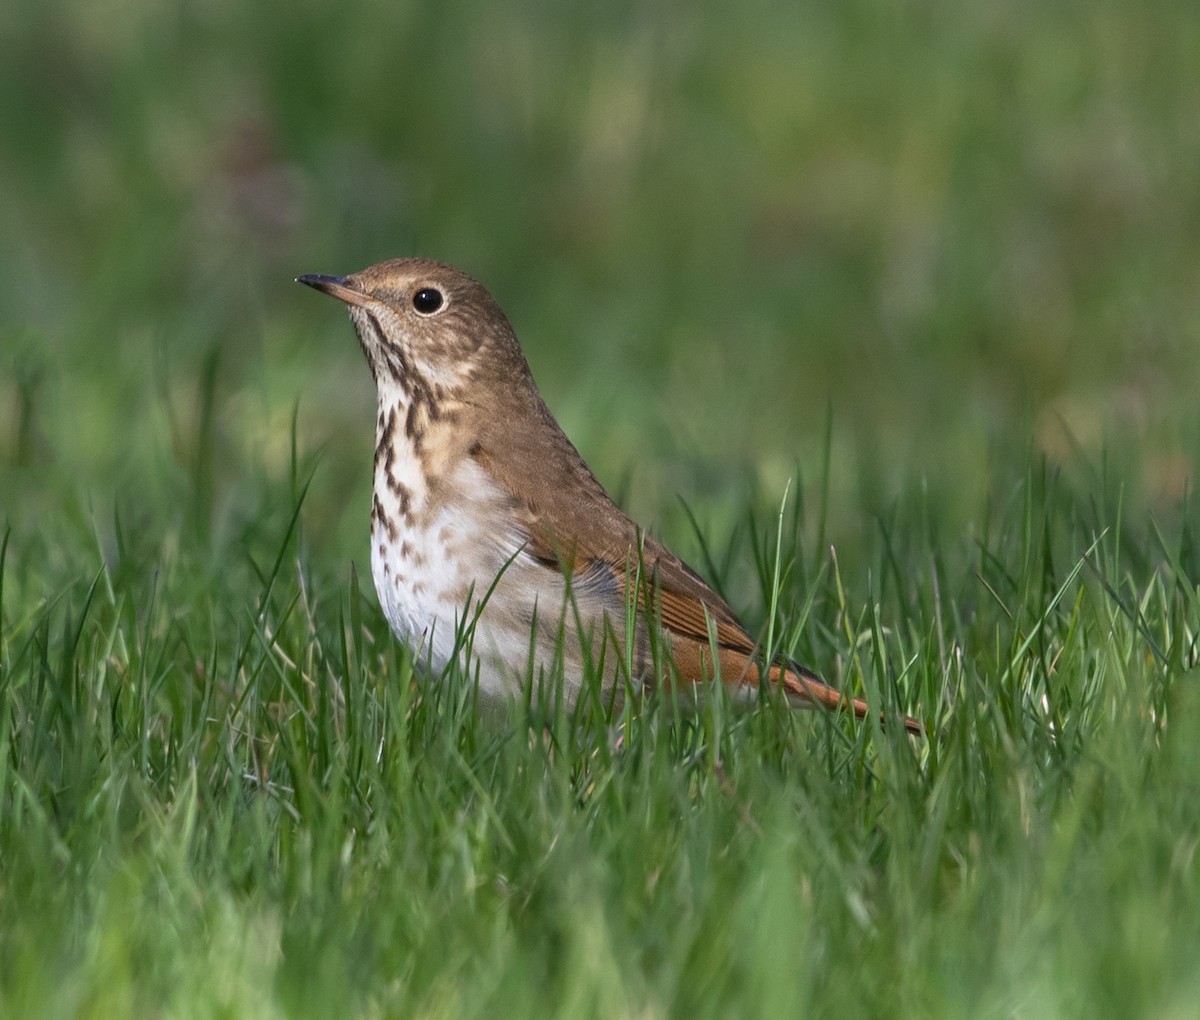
(931, 269)
(226, 793)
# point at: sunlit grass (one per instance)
(224, 794)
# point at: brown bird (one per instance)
(483, 510)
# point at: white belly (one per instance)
(454, 588)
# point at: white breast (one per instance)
(435, 566)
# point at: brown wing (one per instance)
(687, 608)
(575, 528)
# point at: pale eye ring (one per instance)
(428, 300)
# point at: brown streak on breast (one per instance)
(403, 495)
(380, 519)
(385, 444)
(410, 422)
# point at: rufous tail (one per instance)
(809, 688)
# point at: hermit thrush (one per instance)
(484, 511)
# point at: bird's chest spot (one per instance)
(433, 549)
(416, 573)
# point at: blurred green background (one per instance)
(956, 231)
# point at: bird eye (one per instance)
(428, 300)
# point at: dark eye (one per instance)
(428, 300)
